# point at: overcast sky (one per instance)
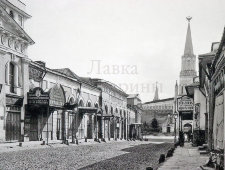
(145, 36)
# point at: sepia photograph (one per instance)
(112, 84)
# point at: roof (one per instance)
(205, 60)
(88, 80)
(67, 72)
(212, 53)
(16, 25)
(17, 5)
(188, 44)
(190, 88)
(97, 80)
(133, 96)
(157, 101)
(220, 48)
(193, 84)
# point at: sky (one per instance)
(132, 43)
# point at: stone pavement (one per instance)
(185, 158)
(14, 146)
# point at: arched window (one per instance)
(11, 14)
(6, 73)
(11, 77)
(89, 104)
(81, 103)
(106, 109)
(112, 110)
(96, 105)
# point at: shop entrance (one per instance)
(33, 128)
(112, 128)
(89, 127)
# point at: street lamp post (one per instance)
(175, 127)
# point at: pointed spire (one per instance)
(188, 45)
(156, 97)
(176, 90)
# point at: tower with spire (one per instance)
(156, 97)
(188, 65)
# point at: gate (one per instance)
(12, 126)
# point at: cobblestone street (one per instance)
(112, 155)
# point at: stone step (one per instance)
(204, 152)
(201, 148)
(205, 145)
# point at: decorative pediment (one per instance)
(11, 28)
(67, 72)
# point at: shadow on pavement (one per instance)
(139, 157)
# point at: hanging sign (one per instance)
(56, 96)
(185, 104)
(37, 97)
(36, 73)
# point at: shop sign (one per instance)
(56, 96)
(36, 73)
(14, 100)
(37, 97)
(185, 104)
(87, 110)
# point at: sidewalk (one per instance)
(185, 158)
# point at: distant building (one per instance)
(161, 110)
(134, 107)
(188, 65)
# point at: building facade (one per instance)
(113, 102)
(13, 68)
(38, 103)
(71, 110)
(162, 110)
(209, 98)
(135, 110)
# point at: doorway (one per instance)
(13, 126)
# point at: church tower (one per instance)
(156, 97)
(188, 62)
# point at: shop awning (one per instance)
(89, 110)
(136, 124)
(70, 106)
(190, 89)
(13, 100)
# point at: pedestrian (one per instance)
(181, 138)
(189, 135)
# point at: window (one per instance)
(11, 77)
(20, 19)
(106, 109)
(44, 84)
(6, 73)
(11, 14)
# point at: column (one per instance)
(25, 85)
(2, 96)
